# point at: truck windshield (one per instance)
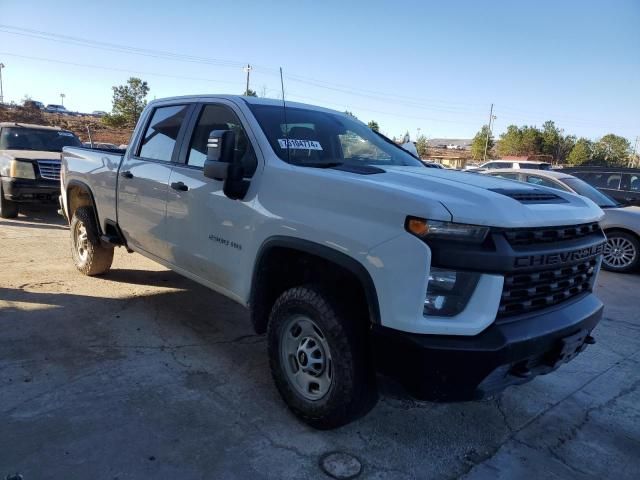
(583, 188)
(37, 139)
(323, 139)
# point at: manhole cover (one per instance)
(340, 465)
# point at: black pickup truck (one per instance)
(30, 164)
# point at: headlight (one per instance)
(436, 229)
(21, 170)
(448, 291)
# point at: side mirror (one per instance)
(220, 164)
(219, 154)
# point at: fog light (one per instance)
(448, 291)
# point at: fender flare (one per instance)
(326, 253)
(87, 188)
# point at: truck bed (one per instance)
(97, 169)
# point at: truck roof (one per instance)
(250, 100)
(27, 125)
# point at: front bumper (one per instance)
(26, 190)
(511, 351)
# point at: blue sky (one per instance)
(433, 66)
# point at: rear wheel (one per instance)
(8, 208)
(90, 256)
(318, 358)
(621, 252)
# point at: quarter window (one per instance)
(219, 117)
(159, 140)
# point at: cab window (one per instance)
(159, 139)
(220, 117)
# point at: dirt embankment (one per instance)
(78, 125)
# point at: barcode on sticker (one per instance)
(299, 144)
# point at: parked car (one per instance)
(455, 284)
(623, 184)
(30, 164)
(53, 108)
(494, 164)
(33, 104)
(621, 223)
(98, 113)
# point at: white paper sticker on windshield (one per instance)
(299, 144)
(65, 134)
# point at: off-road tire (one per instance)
(8, 208)
(90, 255)
(351, 392)
(629, 260)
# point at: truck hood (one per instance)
(31, 154)
(476, 199)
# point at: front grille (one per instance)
(49, 169)
(524, 292)
(531, 236)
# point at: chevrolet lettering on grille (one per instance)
(558, 258)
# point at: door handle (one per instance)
(126, 174)
(180, 186)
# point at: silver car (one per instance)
(620, 223)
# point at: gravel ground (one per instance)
(144, 374)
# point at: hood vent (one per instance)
(530, 196)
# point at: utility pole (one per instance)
(248, 70)
(62, 95)
(633, 160)
(1, 92)
(486, 143)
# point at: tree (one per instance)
(510, 141)
(128, 102)
(250, 93)
(422, 145)
(523, 140)
(531, 141)
(551, 138)
(479, 141)
(581, 152)
(612, 150)
(350, 113)
(564, 147)
(373, 125)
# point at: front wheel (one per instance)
(318, 358)
(8, 208)
(90, 256)
(621, 252)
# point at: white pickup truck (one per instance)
(352, 256)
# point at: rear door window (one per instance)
(160, 137)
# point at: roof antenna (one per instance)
(284, 111)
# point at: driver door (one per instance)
(208, 233)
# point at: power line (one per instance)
(406, 101)
(115, 69)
